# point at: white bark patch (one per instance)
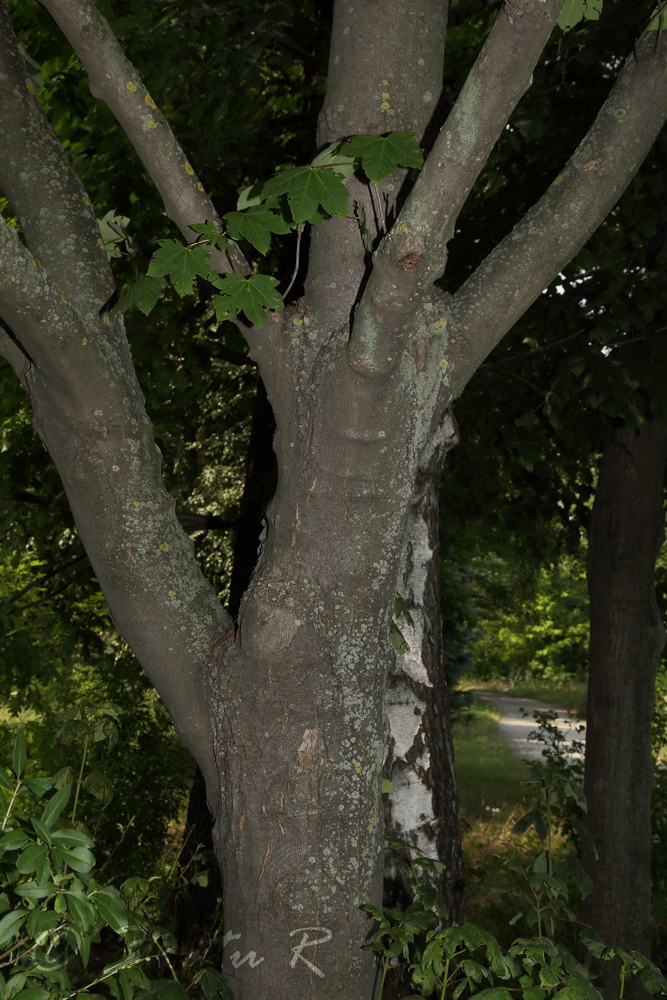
(308, 753)
(412, 810)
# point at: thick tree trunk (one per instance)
(420, 760)
(301, 736)
(285, 715)
(627, 638)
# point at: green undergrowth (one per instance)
(490, 781)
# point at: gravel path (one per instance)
(515, 726)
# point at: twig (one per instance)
(296, 264)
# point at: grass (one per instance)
(490, 786)
(488, 773)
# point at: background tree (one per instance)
(284, 713)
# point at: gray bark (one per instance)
(285, 715)
(626, 641)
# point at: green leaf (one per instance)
(533, 818)
(397, 639)
(39, 786)
(5, 780)
(32, 993)
(208, 232)
(180, 264)
(100, 785)
(34, 858)
(41, 830)
(494, 993)
(55, 805)
(213, 985)
(80, 859)
(112, 910)
(40, 923)
(14, 840)
(249, 197)
(251, 296)
(658, 20)
(80, 909)
(387, 787)
(112, 228)
(332, 157)
(143, 294)
(381, 155)
(306, 189)
(15, 984)
(575, 11)
(71, 838)
(256, 225)
(32, 890)
(19, 753)
(10, 925)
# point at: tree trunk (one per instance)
(626, 640)
(420, 760)
(285, 714)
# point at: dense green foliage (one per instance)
(55, 911)
(543, 888)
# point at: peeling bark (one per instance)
(420, 760)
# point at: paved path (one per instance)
(515, 726)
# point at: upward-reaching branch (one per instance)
(550, 234)
(414, 253)
(52, 207)
(114, 80)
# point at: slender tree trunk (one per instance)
(420, 760)
(626, 641)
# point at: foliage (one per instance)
(297, 195)
(468, 961)
(541, 635)
(53, 910)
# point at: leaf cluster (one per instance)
(53, 909)
(288, 200)
(433, 960)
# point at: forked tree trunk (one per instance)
(627, 637)
(300, 737)
(285, 715)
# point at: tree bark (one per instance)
(420, 759)
(285, 714)
(626, 640)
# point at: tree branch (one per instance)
(41, 580)
(114, 80)
(52, 207)
(89, 411)
(414, 253)
(553, 231)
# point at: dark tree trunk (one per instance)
(626, 641)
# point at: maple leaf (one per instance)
(180, 264)
(143, 294)
(256, 225)
(381, 155)
(251, 296)
(306, 189)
